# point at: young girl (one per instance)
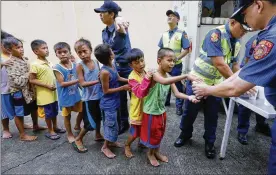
(88, 72)
(154, 117)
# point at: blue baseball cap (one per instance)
(175, 13)
(108, 6)
(237, 15)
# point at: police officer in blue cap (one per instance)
(260, 69)
(116, 35)
(177, 40)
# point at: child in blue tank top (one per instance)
(88, 71)
(67, 86)
(110, 101)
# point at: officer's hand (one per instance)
(200, 89)
(9, 62)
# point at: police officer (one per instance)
(177, 40)
(219, 49)
(245, 113)
(260, 70)
(116, 35)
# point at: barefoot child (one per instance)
(139, 81)
(154, 117)
(110, 102)
(19, 102)
(88, 72)
(67, 86)
(42, 76)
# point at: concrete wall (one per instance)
(69, 20)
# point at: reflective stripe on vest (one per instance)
(174, 43)
(203, 64)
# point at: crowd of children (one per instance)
(42, 89)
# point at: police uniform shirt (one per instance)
(185, 43)
(261, 68)
(212, 43)
(119, 43)
(249, 48)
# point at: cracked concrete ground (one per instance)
(45, 156)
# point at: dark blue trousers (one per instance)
(210, 108)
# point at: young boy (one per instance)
(88, 72)
(139, 81)
(154, 117)
(110, 102)
(18, 101)
(67, 86)
(42, 76)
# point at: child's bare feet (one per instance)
(128, 152)
(37, 128)
(99, 137)
(26, 137)
(107, 152)
(115, 144)
(71, 139)
(78, 146)
(28, 126)
(153, 160)
(161, 157)
(6, 135)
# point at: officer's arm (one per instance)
(185, 44)
(223, 68)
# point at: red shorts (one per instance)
(135, 130)
(152, 130)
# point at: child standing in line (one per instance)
(110, 102)
(42, 76)
(139, 81)
(88, 71)
(19, 101)
(154, 117)
(69, 97)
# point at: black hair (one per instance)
(115, 13)
(35, 44)
(272, 1)
(10, 41)
(134, 55)
(82, 42)
(61, 45)
(163, 52)
(103, 53)
(5, 35)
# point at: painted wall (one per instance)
(69, 20)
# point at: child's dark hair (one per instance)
(82, 42)
(35, 44)
(103, 53)
(61, 45)
(134, 55)
(5, 35)
(9, 42)
(163, 52)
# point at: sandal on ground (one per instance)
(60, 130)
(80, 149)
(52, 136)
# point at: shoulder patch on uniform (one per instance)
(214, 37)
(262, 49)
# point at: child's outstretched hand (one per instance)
(9, 62)
(51, 87)
(126, 87)
(193, 99)
(194, 78)
(149, 75)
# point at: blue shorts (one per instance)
(111, 128)
(48, 111)
(14, 104)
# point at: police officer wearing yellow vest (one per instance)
(218, 52)
(177, 40)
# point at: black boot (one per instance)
(181, 140)
(210, 150)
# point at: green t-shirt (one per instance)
(154, 103)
